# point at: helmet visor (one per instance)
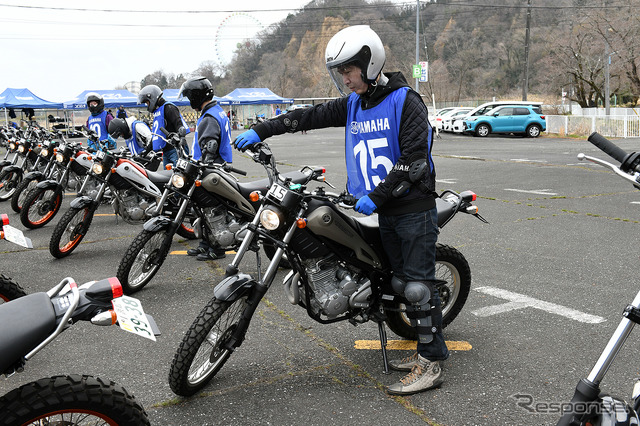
(336, 77)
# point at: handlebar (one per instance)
(629, 163)
(229, 168)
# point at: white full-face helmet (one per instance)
(358, 45)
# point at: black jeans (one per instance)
(410, 244)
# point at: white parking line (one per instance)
(520, 301)
(526, 160)
(447, 181)
(532, 191)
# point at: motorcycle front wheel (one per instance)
(40, 207)
(142, 260)
(70, 231)
(453, 270)
(9, 289)
(202, 352)
(22, 191)
(71, 400)
(9, 181)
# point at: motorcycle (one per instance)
(8, 138)
(219, 202)
(12, 174)
(9, 289)
(30, 323)
(590, 406)
(44, 201)
(134, 190)
(339, 272)
(30, 180)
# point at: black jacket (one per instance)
(414, 134)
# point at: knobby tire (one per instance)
(65, 237)
(9, 289)
(33, 215)
(141, 261)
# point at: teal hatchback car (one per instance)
(518, 119)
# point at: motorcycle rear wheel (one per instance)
(202, 353)
(22, 191)
(40, 207)
(9, 289)
(9, 181)
(65, 237)
(71, 400)
(142, 260)
(451, 267)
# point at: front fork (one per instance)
(177, 220)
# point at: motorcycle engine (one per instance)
(336, 289)
(131, 205)
(222, 226)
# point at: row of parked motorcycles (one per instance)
(338, 270)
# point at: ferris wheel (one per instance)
(234, 31)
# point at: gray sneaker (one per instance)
(404, 364)
(425, 375)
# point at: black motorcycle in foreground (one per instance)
(9, 289)
(339, 272)
(31, 322)
(589, 406)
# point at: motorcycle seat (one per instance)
(162, 176)
(24, 324)
(263, 184)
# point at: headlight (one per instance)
(44, 152)
(177, 180)
(97, 168)
(21, 148)
(60, 158)
(270, 219)
(12, 146)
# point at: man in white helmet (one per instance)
(390, 170)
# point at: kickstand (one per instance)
(383, 346)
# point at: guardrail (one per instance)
(608, 126)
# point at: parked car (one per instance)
(518, 119)
(459, 125)
(436, 119)
(451, 116)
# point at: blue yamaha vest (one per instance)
(372, 146)
(158, 123)
(132, 143)
(97, 123)
(225, 136)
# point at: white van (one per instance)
(459, 126)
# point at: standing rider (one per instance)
(211, 142)
(390, 170)
(165, 114)
(99, 120)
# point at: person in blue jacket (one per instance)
(136, 134)
(390, 170)
(211, 142)
(99, 121)
(165, 115)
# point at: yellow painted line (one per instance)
(408, 345)
(184, 252)
(104, 214)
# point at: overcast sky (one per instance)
(58, 49)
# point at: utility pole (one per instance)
(417, 39)
(527, 38)
(607, 64)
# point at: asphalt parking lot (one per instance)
(551, 274)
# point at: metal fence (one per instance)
(610, 126)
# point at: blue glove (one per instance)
(247, 138)
(365, 205)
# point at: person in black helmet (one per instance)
(121, 112)
(135, 133)
(211, 142)
(390, 169)
(99, 120)
(165, 114)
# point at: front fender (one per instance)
(13, 168)
(234, 287)
(157, 223)
(47, 184)
(81, 202)
(35, 175)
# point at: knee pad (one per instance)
(398, 285)
(420, 312)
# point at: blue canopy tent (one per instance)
(23, 98)
(112, 99)
(254, 102)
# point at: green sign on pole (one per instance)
(417, 71)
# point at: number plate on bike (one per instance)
(100, 155)
(131, 317)
(277, 192)
(182, 164)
